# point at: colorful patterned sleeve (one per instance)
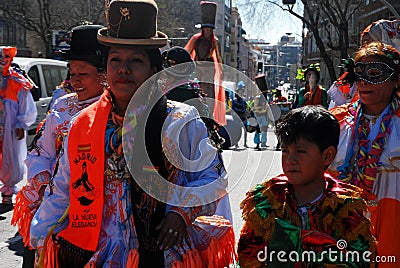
(302, 91)
(200, 169)
(27, 112)
(344, 227)
(353, 233)
(43, 157)
(53, 206)
(27, 203)
(257, 228)
(251, 248)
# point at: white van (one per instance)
(47, 74)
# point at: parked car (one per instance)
(46, 74)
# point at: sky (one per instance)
(272, 29)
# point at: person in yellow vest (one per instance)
(139, 179)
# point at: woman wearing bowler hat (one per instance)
(87, 78)
(142, 161)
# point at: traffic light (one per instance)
(289, 2)
(260, 67)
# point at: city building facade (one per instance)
(367, 12)
(175, 19)
(12, 34)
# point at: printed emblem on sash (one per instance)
(82, 189)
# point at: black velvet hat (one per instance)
(132, 22)
(84, 45)
(208, 13)
(178, 55)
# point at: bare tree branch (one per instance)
(42, 17)
(337, 14)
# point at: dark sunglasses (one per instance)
(373, 72)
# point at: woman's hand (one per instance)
(172, 230)
(307, 95)
(41, 194)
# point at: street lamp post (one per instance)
(301, 54)
(278, 54)
(277, 63)
(302, 44)
(293, 74)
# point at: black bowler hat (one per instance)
(132, 22)
(84, 45)
(178, 55)
(208, 13)
(261, 82)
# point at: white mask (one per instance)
(313, 80)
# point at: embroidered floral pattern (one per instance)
(366, 161)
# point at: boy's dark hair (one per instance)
(313, 123)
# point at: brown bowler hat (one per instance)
(261, 82)
(132, 22)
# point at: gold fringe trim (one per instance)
(133, 259)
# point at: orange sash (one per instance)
(86, 156)
(316, 99)
(15, 83)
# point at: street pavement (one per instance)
(246, 167)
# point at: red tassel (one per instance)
(191, 258)
(51, 253)
(133, 259)
(221, 251)
(218, 252)
(22, 216)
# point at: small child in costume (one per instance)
(305, 217)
